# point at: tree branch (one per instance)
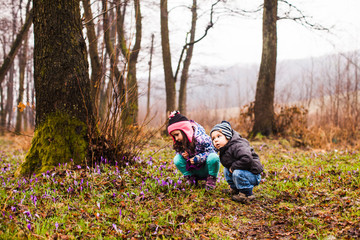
(15, 47)
(210, 25)
(301, 19)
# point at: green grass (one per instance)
(305, 195)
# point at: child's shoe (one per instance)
(240, 197)
(230, 191)
(210, 183)
(245, 195)
(191, 180)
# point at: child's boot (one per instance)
(244, 196)
(210, 182)
(230, 191)
(191, 180)
(240, 197)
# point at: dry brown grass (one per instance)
(11, 142)
(293, 123)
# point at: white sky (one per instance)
(239, 40)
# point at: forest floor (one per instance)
(307, 194)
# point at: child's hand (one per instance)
(185, 155)
(192, 160)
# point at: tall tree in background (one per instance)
(22, 68)
(6, 107)
(265, 88)
(130, 116)
(189, 52)
(10, 82)
(117, 75)
(188, 48)
(166, 56)
(64, 111)
(96, 68)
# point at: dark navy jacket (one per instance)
(238, 154)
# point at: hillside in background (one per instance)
(226, 89)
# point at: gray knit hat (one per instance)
(224, 127)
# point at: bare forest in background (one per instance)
(316, 100)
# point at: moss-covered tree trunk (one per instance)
(265, 89)
(64, 110)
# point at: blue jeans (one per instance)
(241, 179)
(211, 167)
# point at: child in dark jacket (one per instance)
(195, 155)
(242, 165)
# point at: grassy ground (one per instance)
(306, 195)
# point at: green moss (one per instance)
(58, 139)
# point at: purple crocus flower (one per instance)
(27, 213)
(56, 226)
(114, 226)
(29, 226)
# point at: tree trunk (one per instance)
(166, 55)
(105, 92)
(64, 114)
(22, 68)
(149, 78)
(27, 109)
(264, 98)
(20, 104)
(96, 70)
(2, 113)
(112, 55)
(10, 97)
(130, 113)
(187, 61)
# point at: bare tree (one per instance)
(170, 88)
(15, 47)
(96, 68)
(22, 68)
(149, 78)
(264, 98)
(130, 116)
(119, 85)
(170, 79)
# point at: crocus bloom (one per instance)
(114, 226)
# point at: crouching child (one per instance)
(242, 166)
